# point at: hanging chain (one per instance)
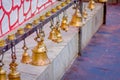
(24, 46)
(1, 59)
(52, 23)
(13, 50)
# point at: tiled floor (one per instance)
(101, 58)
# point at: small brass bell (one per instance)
(35, 22)
(48, 14)
(25, 55)
(103, 1)
(20, 31)
(64, 25)
(11, 37)
(58, 7)
(91, 4)
(28, 26)
(76, 20)
(13, 75)
(41, 18)
(39, 55)
(84, 14)
(58, 34)
(63, 4)
(67, 1)
(2, 74)
(52, 34)
(53, 10)
(2, 43)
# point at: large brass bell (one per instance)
(64, 25)
(25, 56)
(103, 1)
(91, 4)
(2, 72)
(76, 20)
(39, 55)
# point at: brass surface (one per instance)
(13, 75)
(76, 20)
(2, 74)
(35, 22)
(41, 18)
(28, 26)
(11, 37)
(84, 14)
(58, 7)
(58, 34)
(48, 14)
(52, 34)
(53, 10)
(91, 4)
(103, 1)
(20, 31)
(2, 43)
(63, 4)
(64, 25)
(39, 55)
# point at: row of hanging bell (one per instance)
(76, 20)
(55, 34)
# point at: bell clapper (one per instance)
(2, 72)
(14, 74)
(25, 56)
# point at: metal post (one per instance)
(80, 30)
(104, 12)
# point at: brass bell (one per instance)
(11, 37)
(53, 10)
(84, 14)
(103, 1)
(2, 74)
(28, 26)
(25, 56)
(20, 31)
(64, 25)
(63, 4)
(13, 75)
(67, 1)
(91, 4)
(58, 34)
(39, 55)
(2, 43)
(52, 34)
(48, 14)
(58, 7)
(35, 22)
(41, 18)
(76, 20)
